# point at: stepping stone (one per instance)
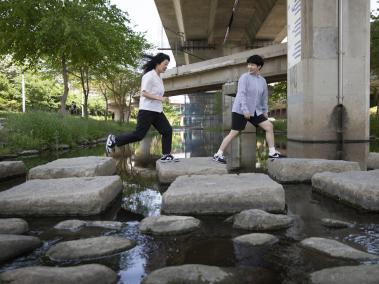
(256, 239)
(362, 274)
(15, 245)
(222, 194)
(10, 169)
(75, 167)
(356, 188)
(76, 225)
(336, 249)
(60, 197)
(373, 161)
(292, 170)
(193, 273)
(29, 153)
(169, 225)
(331, 223)
(14, 226)
(169, 171)
(82, 274)
(88, 248)
(259, 220)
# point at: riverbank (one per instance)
(41, 131)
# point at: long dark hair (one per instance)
(153, 61)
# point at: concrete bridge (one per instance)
(328, 54)
(212, 74)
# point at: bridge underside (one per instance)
(212, 74)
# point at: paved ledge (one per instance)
(291, 170)
(75, 167)
(357, 188)
(60, 197)
(223, 194)
(168, 172)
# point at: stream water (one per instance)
(285, 262)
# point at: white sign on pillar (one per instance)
(293, 32)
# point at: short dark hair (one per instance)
(153, 61)
(256, 59)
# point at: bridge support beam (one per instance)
(328, 71)
(242, 150)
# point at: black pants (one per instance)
(146, 118)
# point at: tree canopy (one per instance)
(80, 37)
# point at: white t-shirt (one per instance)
(152, 83)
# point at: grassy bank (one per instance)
(40, 130)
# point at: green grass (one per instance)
(38, 130)
(280, 125)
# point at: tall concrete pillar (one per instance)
(328, 78)
(328, 65)
(242, 150)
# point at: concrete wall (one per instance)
(313, 83)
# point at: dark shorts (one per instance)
(239, 121)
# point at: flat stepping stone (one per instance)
(88, 248)
(16, 245)
(256, 239)
(223, 194)
(192, 273)
(76, 225)
(75, 167)
(169, 171)
(336, 249)
(29, 153)
(60, 197)
(14, 226)
(10, 169)
(291, 170)
(169, 225)
(362, 274)
(356, 188)
(373, 161)
(259, 220)
(82, 274)
(332, 223)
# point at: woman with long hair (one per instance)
(150, 109)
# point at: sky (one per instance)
(145, 18)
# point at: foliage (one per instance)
(9, 98)
(122, 84)
(279, 94)
(41, 92)
(37, 130)
(85, 37)
(374, 125)
(172, 114)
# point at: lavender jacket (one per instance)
(252, 95)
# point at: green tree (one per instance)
(279, 94)
(122, 85)
(83, 37)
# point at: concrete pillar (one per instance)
(314, 65)
(242, 150)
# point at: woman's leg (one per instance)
(144, 120)
(164, 128)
